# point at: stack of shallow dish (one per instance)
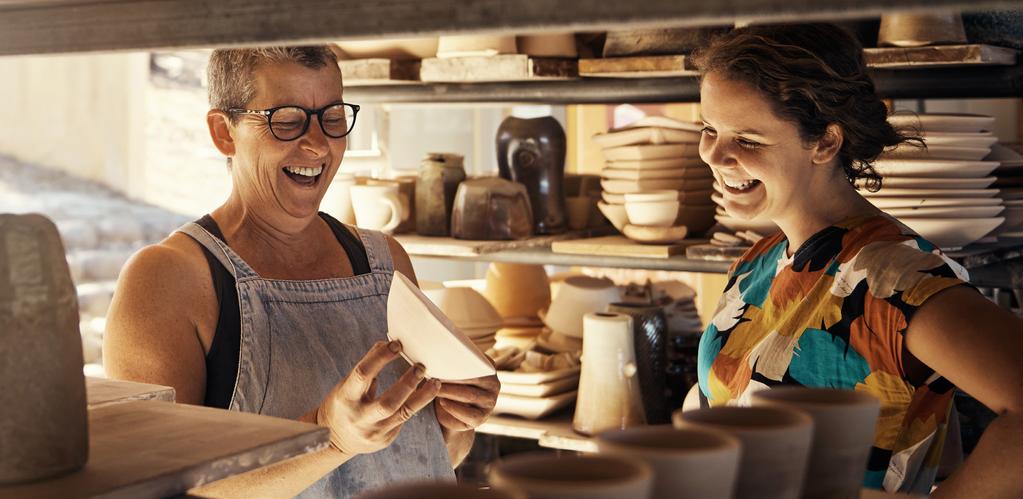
(944, 192)
(537, 384)
(1010, 183)
(468, 310)
(656, 154)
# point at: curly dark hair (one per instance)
(813, 75)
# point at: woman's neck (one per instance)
(831, 202)
(282, 236)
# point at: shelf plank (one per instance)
(554, 432)
(448, 247)
(379, 72)
(504, 67)
(544, 256)
(940, 56)
(621, 246)
(100, 392)
(658, 66)
(159, 449)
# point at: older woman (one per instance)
(844, 296)
(268, 306)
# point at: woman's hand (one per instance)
(361, 422)
(464, 405)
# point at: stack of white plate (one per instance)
(655, 154)
(468, 310)
(944, 192)
(1010, 183)
(534, 395)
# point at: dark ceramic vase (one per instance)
(650, 333)
(532, 153)
(436, 185)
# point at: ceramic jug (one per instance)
(532, 153)
(439, 176)
(43, 423)
(650, 332)
(609, 394)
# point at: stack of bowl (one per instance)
(518, 292)
(469, 310)
(1010, 183)
(577, 296)
(943, 192)
(656, 154)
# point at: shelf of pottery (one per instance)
(613, 351)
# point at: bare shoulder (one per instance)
(402, 262)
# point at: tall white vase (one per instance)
(609, 395)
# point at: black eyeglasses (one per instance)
(291, 122)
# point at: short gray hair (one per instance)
(230, 71)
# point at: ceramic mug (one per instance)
(547, 476)
(609, 395)
(338, 199)
(689, 463)
(377, 207)
(843, 432)
(407, 194)
(775, 446)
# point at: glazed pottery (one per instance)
(650, 337)
(577, 296)
(652, 213)
(652, 196)
(407, 196)
(337, 201)
(517, 290)
(491, 208)
(690, 463)
(532, 153)
(377, 207)
(43, 424)
(547, 476)
(615, 213)
(609, 392)
(438, 490)
(436, 185)
(775, 446)
(843, 432)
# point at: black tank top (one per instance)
(222, 359)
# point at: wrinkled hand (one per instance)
(464, 405)
(362, 423)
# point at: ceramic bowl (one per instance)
(655, 234)
(652, 213)
(517, 290)
(615, 213)
(467, 308)
(545, 475)
(651, 196)
(579, 295)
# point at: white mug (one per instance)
(377, 207)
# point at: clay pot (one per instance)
(439, 176)
(546, 476)
(532, 153)
(609, 395)
(491, 209)
(43, 424)
(843, 432)
(650, 336)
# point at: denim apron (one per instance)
(300, 338)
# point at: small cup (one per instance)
(377, 207)
(546, 476)
(689, 463)
(775, 446)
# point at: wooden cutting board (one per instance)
(100, 392)
(621, 246)
(158, 449)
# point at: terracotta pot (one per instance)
(546, 476)
(517, 290)
(775, 446)
(609, 395)
(532, 153)
(843, 432)
(650, 333)
(690, 463)
(439, 176)
(43, 424)
(491, 209)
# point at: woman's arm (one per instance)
(978, 346)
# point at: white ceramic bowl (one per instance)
(650, 196)
(577, 296)
(615, 213)
(466, 307)
(655, 213)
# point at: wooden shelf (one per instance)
(554, 432)
(100, 392)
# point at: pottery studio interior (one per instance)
(509, 249)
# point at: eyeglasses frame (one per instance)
(268, 114)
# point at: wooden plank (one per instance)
(715, 253)
(100, 392)
(655, 66)
(621, 246)
(504, 67)
(34, 27)
(554, 432)
(417, 245)
(379, 72)
(940, 56)
(159, 449)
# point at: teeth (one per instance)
(308, 172)
(740, 185)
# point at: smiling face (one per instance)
(759, 160)
(287, 179)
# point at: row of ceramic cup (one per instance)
(794, 442)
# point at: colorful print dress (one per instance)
(833, 315)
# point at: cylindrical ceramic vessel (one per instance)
(532, 153)
(843, 433)
(43, 423)
(439, 176)
(650, 333)
(609, 396)
(546, 476)
(775, 446)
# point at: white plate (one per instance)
(532, 407)
(953, 232)
(630, 186)
(937, 183)
(935, 151)
(542, 389)
(428, 337)
(667, 173)
(520, 378)
(930, 193)
(656, 164)
(985, 139)
(663, 151)
(914, 201)
(760, 226)
(946, 212)
(934, 168)
(645, 135)
(938, 122)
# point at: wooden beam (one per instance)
(53, 26)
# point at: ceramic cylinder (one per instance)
(650, 334)
(43, 423)
(436, 186)
(609, 394)
(547, 476)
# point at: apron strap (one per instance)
(234, 263)
(377, 250)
